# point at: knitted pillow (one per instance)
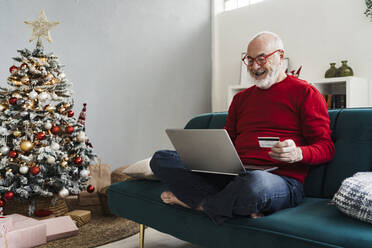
(354, 197)
(140, 170)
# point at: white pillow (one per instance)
(354, 197)
(140, 169)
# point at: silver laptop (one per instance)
(209, 150)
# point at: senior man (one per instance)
(278, 105)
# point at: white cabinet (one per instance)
(355, 89)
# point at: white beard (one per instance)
(269, 80)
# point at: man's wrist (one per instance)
(299, 154)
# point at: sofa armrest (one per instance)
(117, 175)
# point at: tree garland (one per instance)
(368, 11)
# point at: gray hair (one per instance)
(278, 41)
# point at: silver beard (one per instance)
(269, 80)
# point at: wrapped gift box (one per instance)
(81, 217)
(24, 233)
(60, 227)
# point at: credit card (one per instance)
(268, 142)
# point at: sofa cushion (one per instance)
(353, 148)
(354, 197)
(314, 223)
(314, 182)
(214, 120)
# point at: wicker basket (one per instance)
(103, 199)
(17, 207)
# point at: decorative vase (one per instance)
(332, 71)
(345, 70)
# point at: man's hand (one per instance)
(286, 151)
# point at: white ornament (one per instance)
(3, 131)
(54, 96)
(48, 125)
(62, 75)
(84, 173)
(4, 150)
(54, 146)
(63, 193)
(43, 96)
(81, 137)
(51, 160)
(33, 95)
(23, 169)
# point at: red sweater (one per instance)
(290, 109)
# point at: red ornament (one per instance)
(13, 154)
(13, 100)
(55, 129)
(23, 66)
(2, 203)
(9, 195)
(78, 160)
(13, 68)
(35, 170)
(40, 135)
(70, 113)
(69, 129)
(90, 188)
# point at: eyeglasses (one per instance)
(260, 59)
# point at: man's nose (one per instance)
(255, 65)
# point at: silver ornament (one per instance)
(51, 160)
(84, 173)
(43, 96)
(63, 193)
(48, 125)
(4, 150)
(33, 95)
(23, 169)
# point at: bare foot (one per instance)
(256, 215)
(169, 198)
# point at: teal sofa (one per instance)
(314, 223)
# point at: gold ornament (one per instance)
(26, 146)
(16, 95)
(41, 27)
(25, 79)
(49, 108)
(2, 107)
(17, 133)
(64, 164)
(61, 110)
(49, 76)
(43, 60)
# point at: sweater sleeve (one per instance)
(231, 119)
(315, 125)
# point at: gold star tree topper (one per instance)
(41, 27)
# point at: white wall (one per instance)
(314, 33)
(141, 65)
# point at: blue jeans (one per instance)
(223, 196)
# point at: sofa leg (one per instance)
(141, 236)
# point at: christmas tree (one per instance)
(43, 148)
